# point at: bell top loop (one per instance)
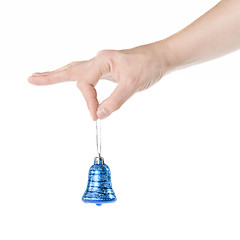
(99, 160)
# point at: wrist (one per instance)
(165, 55)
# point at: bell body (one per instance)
(99, 189)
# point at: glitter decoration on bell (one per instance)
(99, 189)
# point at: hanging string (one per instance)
(98, 137)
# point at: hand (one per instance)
(133, 70)
(214, 34)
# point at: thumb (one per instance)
(118, 97)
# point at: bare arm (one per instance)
(214, 34)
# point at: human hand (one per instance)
(214, 34)
(133, 70)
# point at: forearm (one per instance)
(214, 34)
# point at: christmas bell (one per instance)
(99, 188)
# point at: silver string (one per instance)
(98, 137)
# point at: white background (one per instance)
(173, 150)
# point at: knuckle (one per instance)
(105, 53)
(71, 64)
(101, 53)
(105, 60)
(68, 70)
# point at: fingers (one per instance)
(119, 96)
(87, 74)
(69, 72)
(48, 77)
(86, 84)
(90, 95)
(101, 67)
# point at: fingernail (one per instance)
(37, 73)
(102, 113)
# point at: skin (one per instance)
(214, 34)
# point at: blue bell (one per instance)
(99, 189)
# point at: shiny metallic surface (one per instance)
(99, 160)
(99, 189)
